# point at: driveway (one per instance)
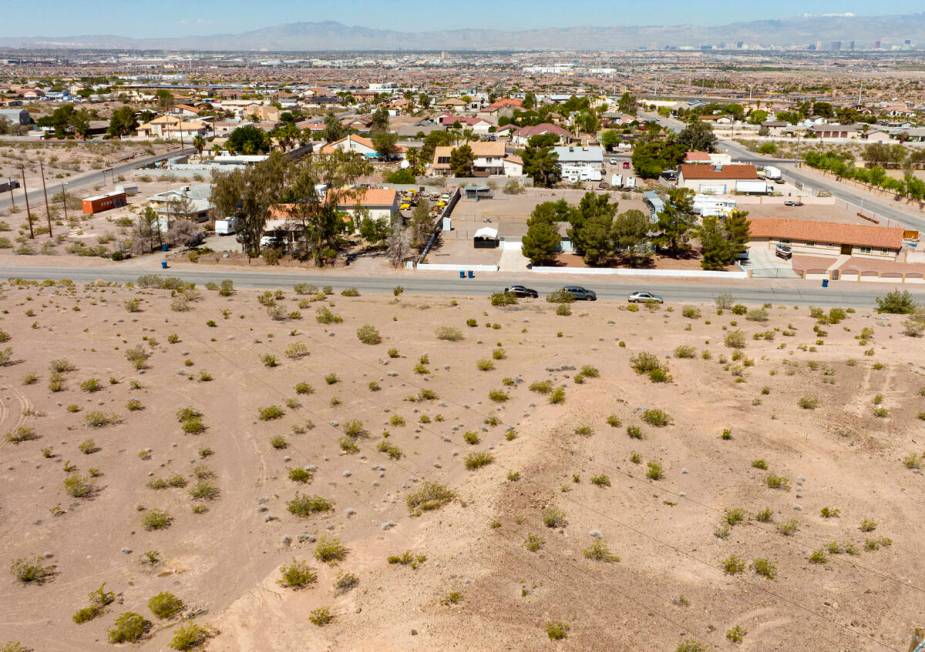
(764, 264)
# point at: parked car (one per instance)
(603, 185)
(522, 291)
(645, 297)
(793, 202)
(783, 251)
(579, 293)
(614, 161)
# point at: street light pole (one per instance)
(25, 193)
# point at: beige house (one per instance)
(491, 159)
(171, 127)
(812, 238)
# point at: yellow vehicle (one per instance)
(405, 207)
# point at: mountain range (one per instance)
(865, 31)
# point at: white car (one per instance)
(645, 297)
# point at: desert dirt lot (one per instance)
(595, 516)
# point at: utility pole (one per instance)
(12, 197)
(45, 192)
(25, 193)
(64, 200)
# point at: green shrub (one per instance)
(300, 474)
(21, 434)
(449, 334)
(31, 571)
(560, 296)
(685, 351)
(765, 568)
(656, 417)
(100, 420)
(553, 517)
(297, 575)
(270, 413)
(735, 339)
(733, 565)
(808, 402)
(777, 482)
(165, 605)
(503, 299)
(330, 550)
(305, 506)
(691, 312)
(129, 628)
(156, 519)
(897, 303)
(189, 636)
(556, 631)
(654, 471)
(430, 496)
(478, 460)
(598, 551)
(321, 616)
(368, 334)
(204, 490)
(78, 486)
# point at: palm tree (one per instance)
(199, 143)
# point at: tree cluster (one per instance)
(311, 191)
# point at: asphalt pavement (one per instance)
(36, 195)
(610, 289)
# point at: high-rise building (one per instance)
(836, 46)
(877, 45)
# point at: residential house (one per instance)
(491, 159)
(186, 202)
(523, 135)
(707, 158)
(719, 179)
(352, 143)
(453, 104)
(170, 127)
(377, 203)
(477, 125)
(844, 132)
(580, 157)
(813, 238)
(503, 107)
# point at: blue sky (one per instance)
(185, 17)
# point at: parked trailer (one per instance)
(101, 203)
(616, 181)
(629, 183)
(753, 187)
(226, 227)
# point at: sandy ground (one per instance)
(669, 584)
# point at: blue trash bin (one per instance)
(462, 274)
(825, 282)
(164, 264)
(471, 274)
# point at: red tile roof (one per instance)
(699, 172)
(857, 235)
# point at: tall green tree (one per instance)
(421, 224)
(461, 161)
(631, 235)
(386, 144)
(628, 103)
(122, 122)
(541, 162)
(333, 129)
(697, 136)
(249, 194)
(542, 243)
(721, 241)
(591, 228)
(248, 140)
(652, 156)
(677, 221)
(380, 120)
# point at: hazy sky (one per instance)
(185, 17)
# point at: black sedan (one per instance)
(522, 292)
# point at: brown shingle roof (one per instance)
(692, 171)
(857, 235)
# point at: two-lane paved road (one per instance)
(90, 179)
(673, 290)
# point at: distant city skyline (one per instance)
(183, 18)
